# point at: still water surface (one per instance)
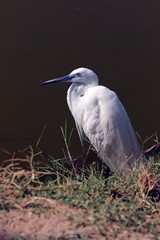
(40, 40)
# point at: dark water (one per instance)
(40, 40)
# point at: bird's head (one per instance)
(79, 75)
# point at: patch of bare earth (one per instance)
(56, 221)
(38, 218)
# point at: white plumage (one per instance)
(100, 116)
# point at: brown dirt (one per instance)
(51, 220)
(55, 221)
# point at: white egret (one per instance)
(100, 116)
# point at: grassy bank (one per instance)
(115, 204)
(118, 206)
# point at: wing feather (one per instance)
(106, 124)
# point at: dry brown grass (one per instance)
(117, 207)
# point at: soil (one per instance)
(55, 221)
(45, 219)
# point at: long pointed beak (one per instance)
(66, 78)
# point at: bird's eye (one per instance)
(77, 75)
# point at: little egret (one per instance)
(100, 116)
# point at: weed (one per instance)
(114, 204)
